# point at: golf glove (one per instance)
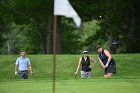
(105, 66)
(16, 73)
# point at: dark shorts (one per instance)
(23, 74)
(110, 69)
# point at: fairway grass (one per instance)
(72, 86)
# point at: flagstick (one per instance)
(54, 53)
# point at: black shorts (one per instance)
(110, 69)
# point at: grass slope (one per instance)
(127, 66)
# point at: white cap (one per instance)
(85, 52)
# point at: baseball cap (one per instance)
(98, 46)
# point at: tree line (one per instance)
(28, 25)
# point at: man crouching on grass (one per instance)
(86, 68)
(21, 66)
(107, 62)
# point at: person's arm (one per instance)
(16, 67)
(101, 63)
(30, 68)
(109, 57)
(78, 66)
(94, 62)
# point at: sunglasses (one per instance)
(85, 53)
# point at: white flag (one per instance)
(64, 8)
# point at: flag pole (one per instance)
(61, 8)
(54, 53)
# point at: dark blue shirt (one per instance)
(104, 58)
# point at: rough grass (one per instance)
(127, 66)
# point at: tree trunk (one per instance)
(131, 47)
(42, 34)
(110, 42)
(50, 36)
(59, 36)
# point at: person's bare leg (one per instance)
(108, 75)
(105, 75)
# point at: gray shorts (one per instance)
(85, 74)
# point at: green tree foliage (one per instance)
(1, 32)
(103, 22)
(70, 38)
(31, 12)
(119, 22)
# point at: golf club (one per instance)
(75, 76)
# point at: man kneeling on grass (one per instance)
(86, 68)
(21, 66)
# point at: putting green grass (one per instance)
(72, 86)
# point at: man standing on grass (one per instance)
(21, 66)
(86, 67)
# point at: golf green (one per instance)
(72, 86)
